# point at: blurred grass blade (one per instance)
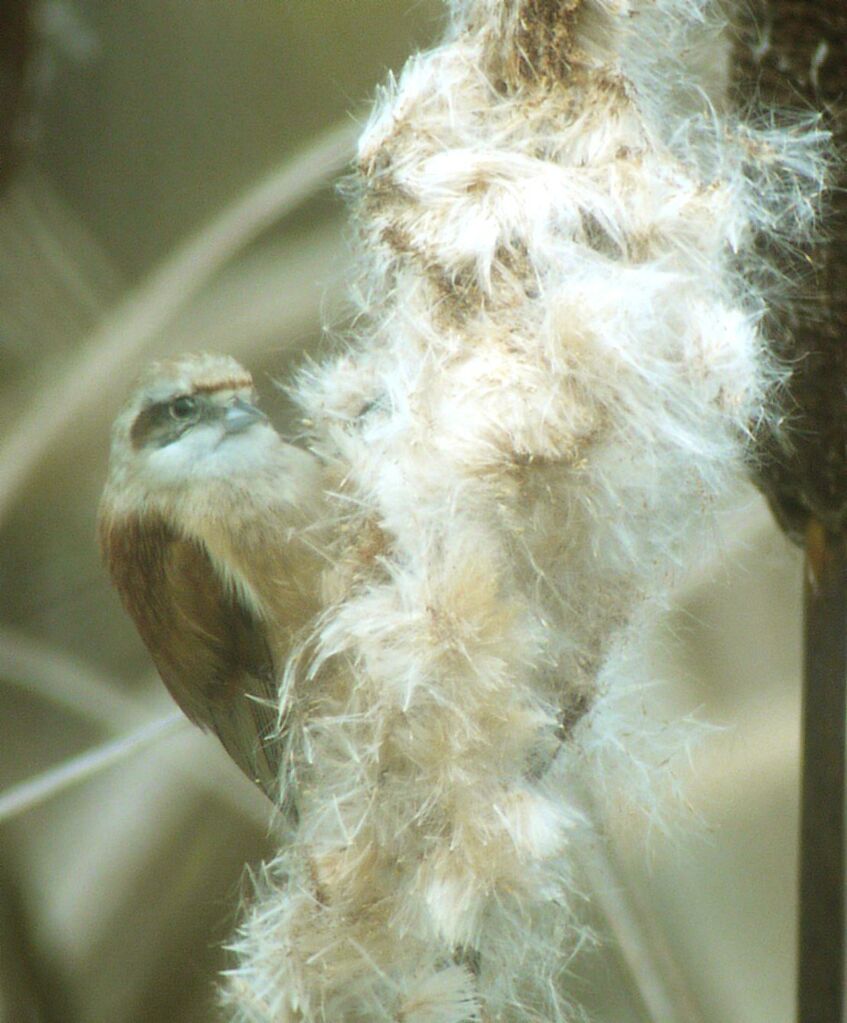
(52, 675)
(271, 295)
(26, 795)
(661, 983)
(42, 671)
(128, 329)
(31, 989)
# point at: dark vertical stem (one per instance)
(820, 976)
(15, 46)
(798, 57)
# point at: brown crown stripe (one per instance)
(231, 384)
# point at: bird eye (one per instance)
(182, 408)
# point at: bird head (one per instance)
(190, 420)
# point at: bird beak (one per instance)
(240, 415)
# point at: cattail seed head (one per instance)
(558, 363)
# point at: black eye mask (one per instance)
(163, 422)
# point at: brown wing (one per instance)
(211, 651)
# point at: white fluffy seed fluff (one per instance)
(558, 364)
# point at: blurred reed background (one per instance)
(172, 190)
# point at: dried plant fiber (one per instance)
(557, 366)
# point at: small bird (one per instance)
(206, 524)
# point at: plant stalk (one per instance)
(820, 970)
